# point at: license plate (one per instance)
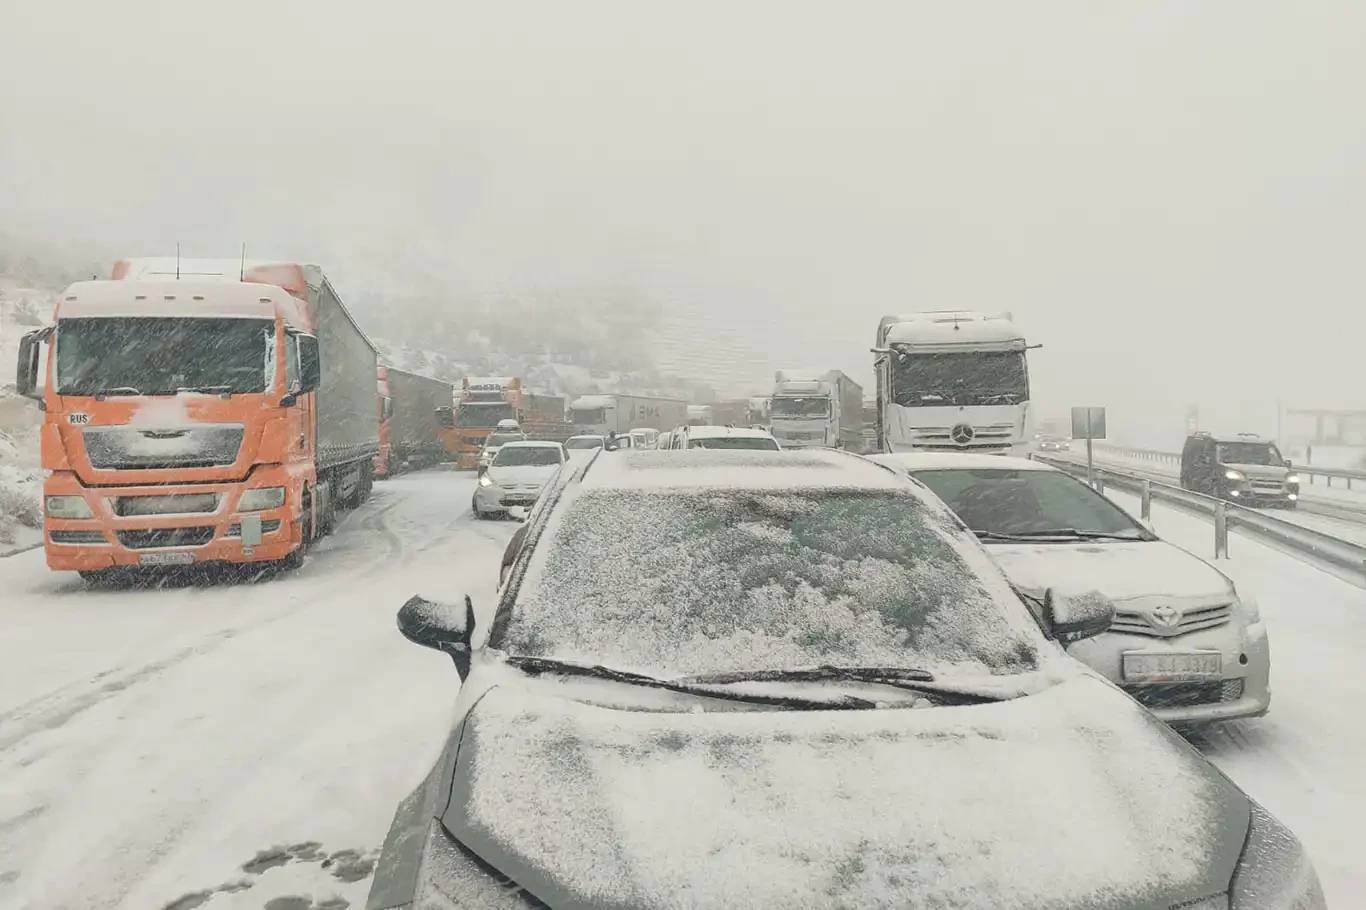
(166, 559)
(520, 497)
(1156, 668)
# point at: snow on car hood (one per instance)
(1070, 798)
(522, 474)
(1120, 571)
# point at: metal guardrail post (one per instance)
(1100, 483)
(1145, 501)
(1220, 531)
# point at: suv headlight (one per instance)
(1234, 475)
(259, 499)
(1274, 873)
(68, 507)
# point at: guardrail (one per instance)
(1304, 470)
(1338, 557)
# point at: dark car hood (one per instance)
(1073, 798)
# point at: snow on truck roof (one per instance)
(591, 401)
(708, 432)
(157, 298)
(952, 461)
(746, 469)
(940, 329)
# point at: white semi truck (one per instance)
(816, 409)
(952, 380)
(599, 415)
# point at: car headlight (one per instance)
(1274, 872)
(485, 480)
(1234, 475)
(258, 499)
(68, 507)
(1292, 478)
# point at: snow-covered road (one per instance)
(154, 743)
(1304, 760)
(214, 746)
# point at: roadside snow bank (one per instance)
(21, 516)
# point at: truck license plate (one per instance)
(166, 559)
(1161, 667)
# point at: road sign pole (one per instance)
(1145, 502)
(1090, 456)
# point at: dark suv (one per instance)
(1243, 468)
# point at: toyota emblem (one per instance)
(1166, 617)
(962, 434)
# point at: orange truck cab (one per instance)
(199, 412)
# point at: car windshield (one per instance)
(761, 443)
(476, 415)
(1261, 453)
(676, 583)
(801, 407)
(498, 439)
(527, 456)
(1027, 502)
(959, 378)
(584, 442)
(163, 355)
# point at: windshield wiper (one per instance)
(911, 679)
(115, 390)
(537, 665)
(201, 389)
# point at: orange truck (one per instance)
(408, 432)
(197, 412)
(481, 403)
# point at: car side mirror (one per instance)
(310, 364)
(1072, 618)
(440, 627)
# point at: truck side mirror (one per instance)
(445, 417)
(26, 376)
(310, 364)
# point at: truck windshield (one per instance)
(959, 378)
(484, 415)
(589, 417)
(162, 355)
(801, 407)
(1249, 453)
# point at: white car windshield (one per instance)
(1027, 502)
(527, 456)
(674, 583)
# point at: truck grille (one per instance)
(994, 434)
(1186, 695)
(1268, 486)
(175, 504)
(75, 537)
(131, 447)
(1134, 622)
(166, 537)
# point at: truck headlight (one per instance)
(1234, 475)
(259, 499)
(68, 507)
(1274, 871)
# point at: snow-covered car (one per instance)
(515, 477)
(732, 438)
(1184, 643)
(761, 680)
(585, 442)
(495, 442)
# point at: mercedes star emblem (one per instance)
(962, 434)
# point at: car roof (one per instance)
(530, 444)
(741, 432)
(949, 461)
(744, 469)
(587, 436)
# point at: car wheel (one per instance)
(479, 514)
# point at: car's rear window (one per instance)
(672, 583)
(758, 443)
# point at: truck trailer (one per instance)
(598, 415)
(817, 409)
(199, 411)
(408, 405)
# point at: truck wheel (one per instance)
(97, 578)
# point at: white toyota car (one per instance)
(1184, 643)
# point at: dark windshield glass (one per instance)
(965, 378)
(584, 442)
(588, 417)
(524, 456)
(495, 440)
(1021, 502)
(152, 355)
(673, 583)
(1249, 453)
(484, 415)
(734, 442)
(801, 407)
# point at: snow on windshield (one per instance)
(676, 582)
(1070, 800)
(527, 456)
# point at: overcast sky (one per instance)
(1170, 196)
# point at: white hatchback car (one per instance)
(1183, 642)
(515, 476)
